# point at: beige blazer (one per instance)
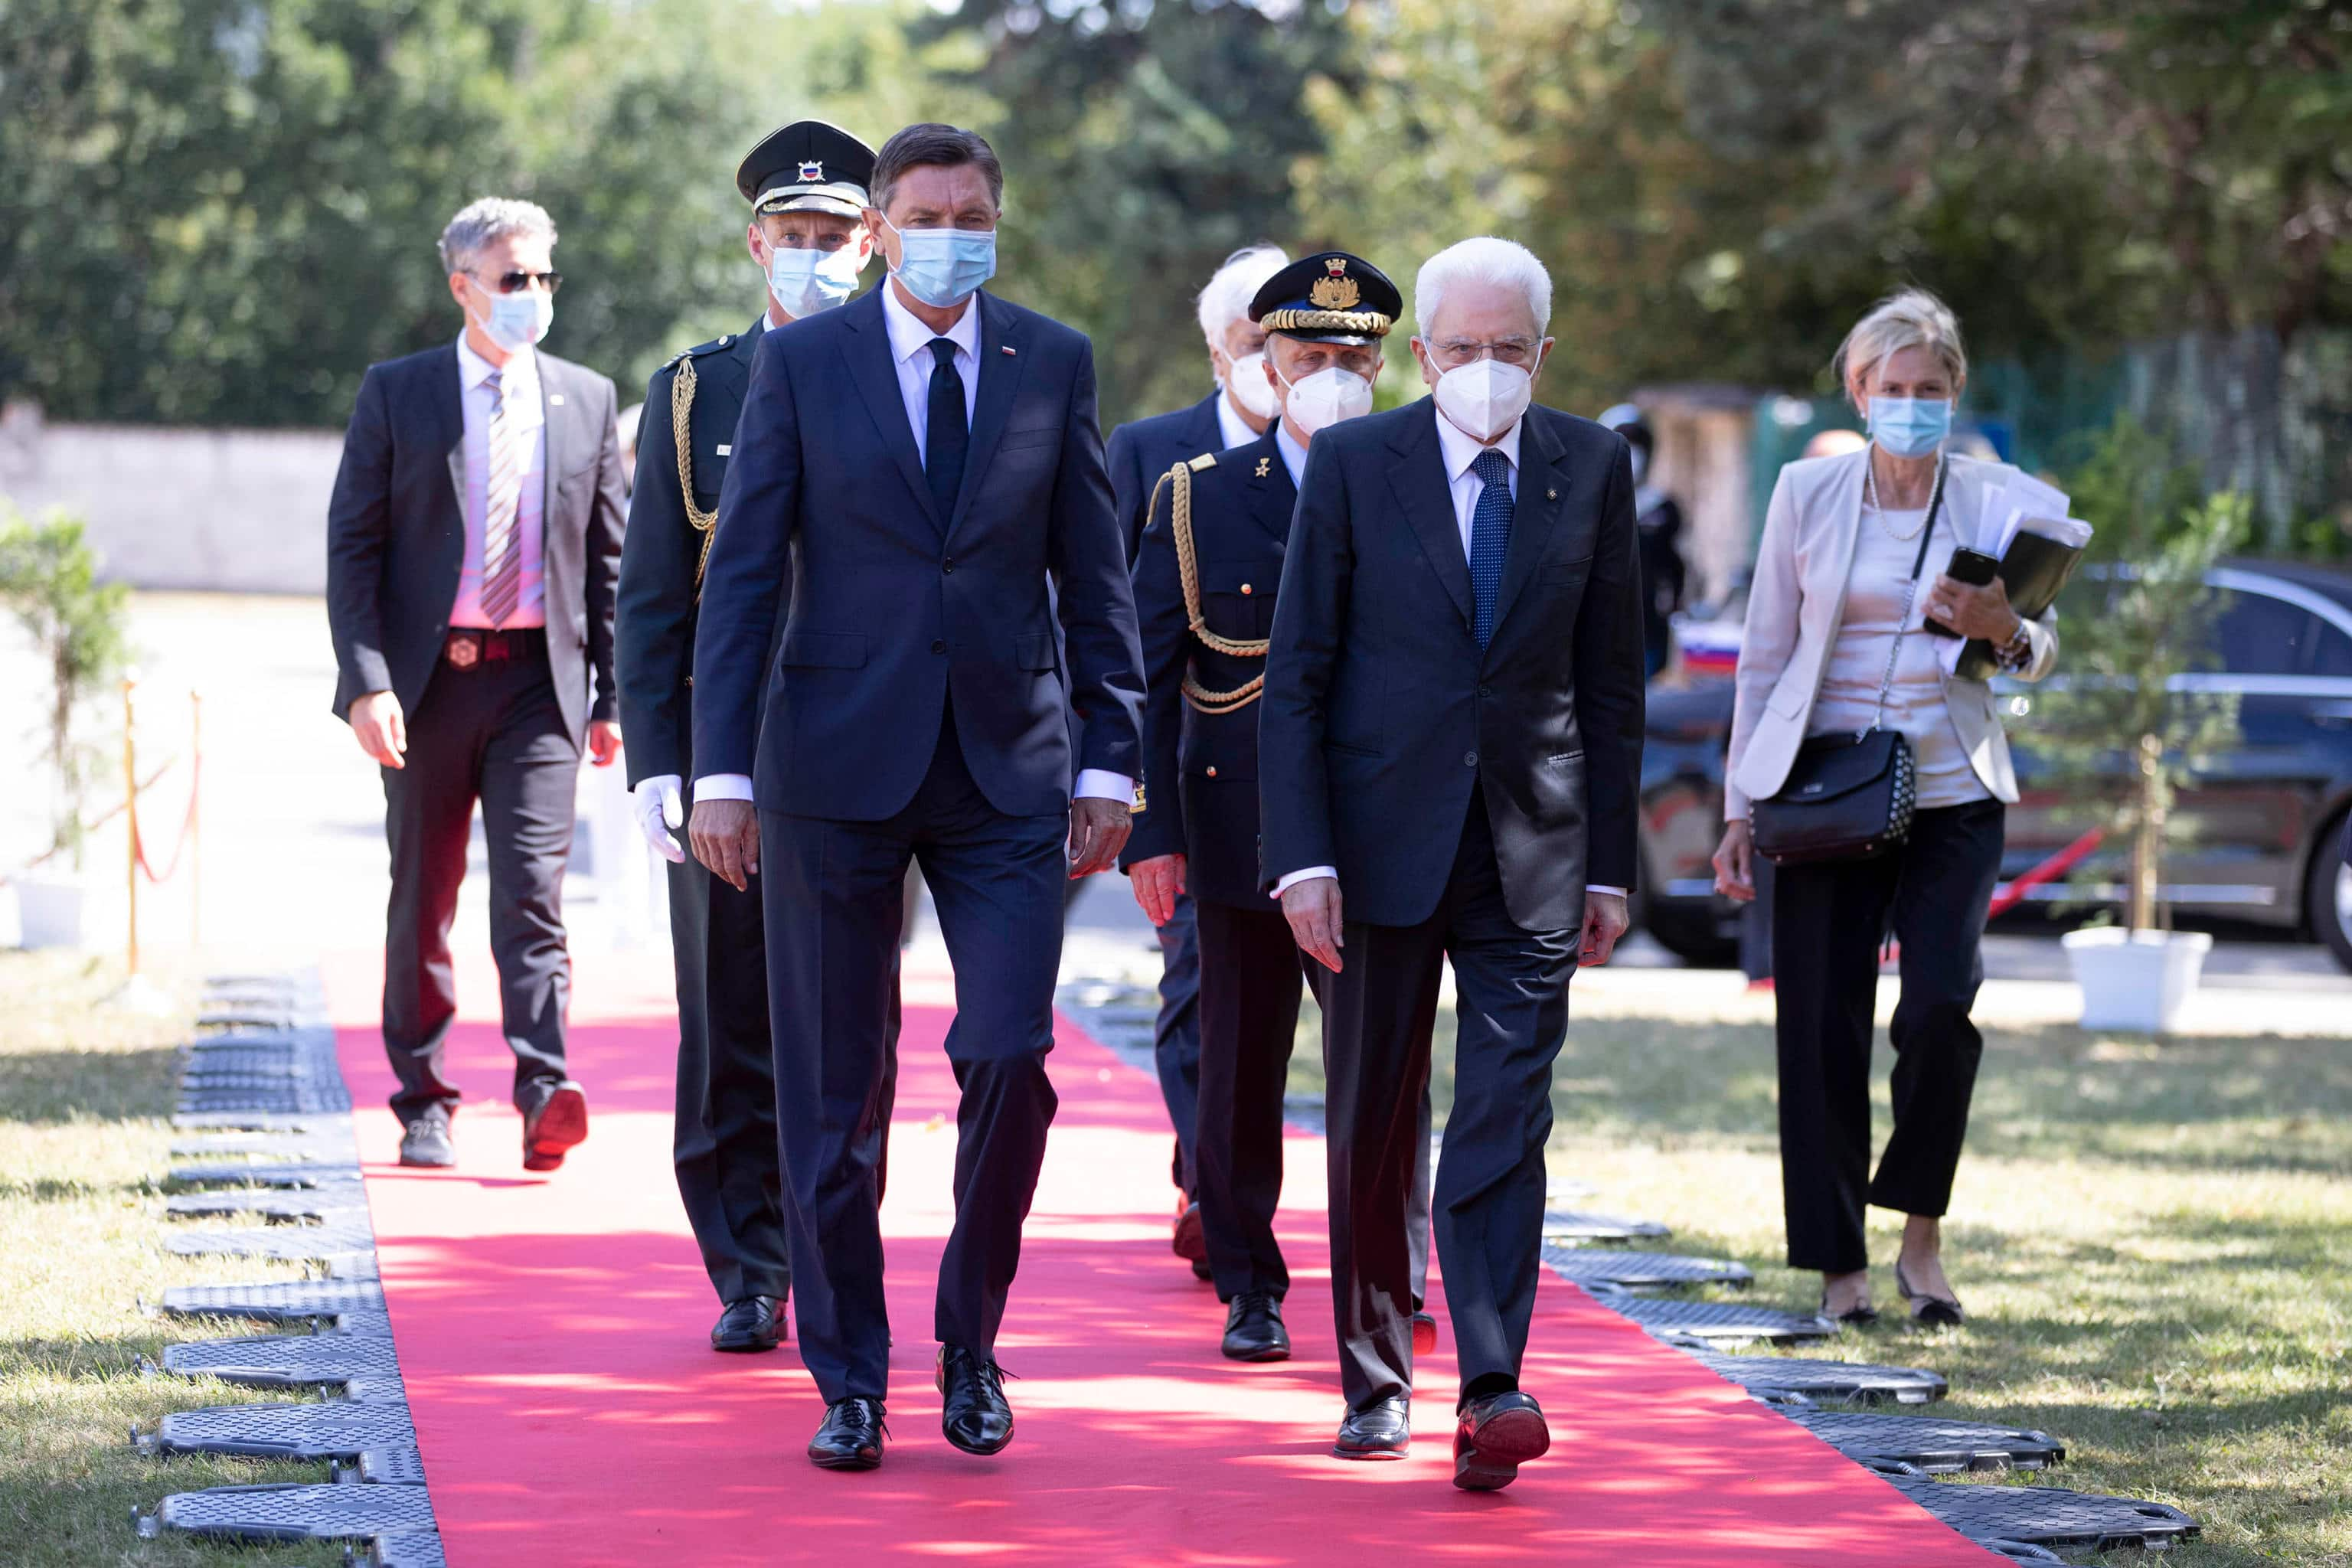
(1797, 603)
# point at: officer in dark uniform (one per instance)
(807, 187)
(1205, 577)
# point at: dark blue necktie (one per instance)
(946, 437)
(1490, 537)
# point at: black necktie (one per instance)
(946, 437)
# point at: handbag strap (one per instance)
(1910, 595)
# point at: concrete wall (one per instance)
(220, 511)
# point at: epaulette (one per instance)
(1205, 461)
(725, 340)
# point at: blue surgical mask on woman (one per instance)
(943, 267)
(1910, 427)
(807, 281)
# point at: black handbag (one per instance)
(1849, 797)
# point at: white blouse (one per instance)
(1914, 702)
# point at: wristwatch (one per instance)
(2018, 651)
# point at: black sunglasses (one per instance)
(510, 282)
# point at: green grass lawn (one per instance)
(85, 1100)
(2154, 1242)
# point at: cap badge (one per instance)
(1337, 291)
(813, 171)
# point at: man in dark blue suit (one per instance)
(1452, 736)
(915, 467)
(1238, 412)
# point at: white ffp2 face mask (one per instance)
(1246, 377)
(1485, 398)
(1322, 400)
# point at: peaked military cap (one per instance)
(807, 166)
(1331, 297)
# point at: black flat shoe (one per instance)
(1935, 1312)
(1493, 1438)
(975, 1415)
(753, 1323)
(1425, 1334)
(554, 1127)
(1860, 1316)
(427, 1142)
(1381, 1431)
(850, 1437)
(1254, 1329)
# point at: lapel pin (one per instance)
(1264, 466)
(725, 449)
(1009, 352)
(555, 400)
(1551, 495)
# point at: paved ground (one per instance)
(293, 859)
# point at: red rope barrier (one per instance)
(2050, 870)
(188, 828)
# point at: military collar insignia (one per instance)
(1335, 290)
(1265, 467)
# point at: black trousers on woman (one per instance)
(1827, 922)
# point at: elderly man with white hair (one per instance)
(1237, 411)
(473, 562)
(1451, 743)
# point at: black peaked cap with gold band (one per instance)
(807, 166)
(1329, 297)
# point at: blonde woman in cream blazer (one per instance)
(1831, 587)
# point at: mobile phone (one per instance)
(1967, 565)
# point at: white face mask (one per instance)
(1246, 378)
(1321, 400)
(517, 321)
(1485, 398)
(805, 281)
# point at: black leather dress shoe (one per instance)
(1381, 1431)
(753, 1323)
(1493, 1438)
(1190, 1242)
(555, 1126)
(975, 1415)
(850, 1437)
(1425, 1334)
(1254, 1329)
(1201, 1271)
(427, 1142)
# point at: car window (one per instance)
(2331, 651)
(2258, 634)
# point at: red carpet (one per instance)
(552, 1332)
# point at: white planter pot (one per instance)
(49, 909)
(2135, 980)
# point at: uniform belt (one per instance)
(470, 648)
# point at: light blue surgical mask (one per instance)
(807, 281)
(944, 266)
(1910, 427)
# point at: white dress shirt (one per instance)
(1294, 453)
(1458, 452)
(526, 414)
(1232, 428)
(911, 356)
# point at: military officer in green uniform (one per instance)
(807, 186)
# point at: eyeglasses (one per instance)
(1466, 351)
(514, 282)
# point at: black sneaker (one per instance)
(427, 1142)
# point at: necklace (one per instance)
(1869, 500)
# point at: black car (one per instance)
(2271, 813)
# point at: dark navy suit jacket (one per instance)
(1200, 769)
(893, 610)
(1141, 450)
(1381, 713)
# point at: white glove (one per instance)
(660, 808)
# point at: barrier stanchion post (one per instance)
(131, 811)
(196, 819)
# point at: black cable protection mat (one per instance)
(1574, 1225)
(1640, 1270)
(337, 1429)
(290, 1360)
(418, 1551)
(1709, 1324)
(1934, 1445)
(2049, 1516)
(288, 1097)
(249, 1017)
(346, 1231)
(329, 1145)
(1843, 1382)
(264, 1173)
(294, 1511)
(388, 1468)
(283, 1300)
(302, 1203)
(278, 1123)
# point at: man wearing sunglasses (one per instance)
(807, 186)
(473, 554)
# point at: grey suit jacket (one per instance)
(1797, 603)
